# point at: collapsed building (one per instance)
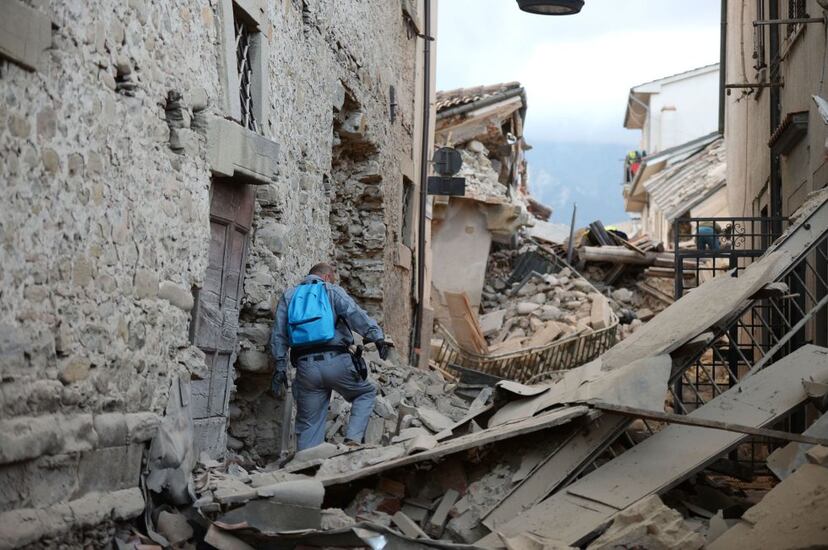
(593, 459)
(486, 124)
(169, 168)
(151, 221)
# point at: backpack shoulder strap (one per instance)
(337, 316)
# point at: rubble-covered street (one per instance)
(413, 274)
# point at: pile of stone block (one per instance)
(406, 398)
(541, 310)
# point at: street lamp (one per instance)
(551, 7)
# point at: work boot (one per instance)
(351, 444)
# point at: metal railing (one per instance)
(528, 365)
(706, 247)
(244, 65)
(531, 364)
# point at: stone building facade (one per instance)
(777, 140)
(168, 168)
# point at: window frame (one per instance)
(253, 13)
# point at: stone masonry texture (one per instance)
(104, 223)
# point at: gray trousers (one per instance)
(316, 376)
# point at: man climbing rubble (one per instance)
(314, 321)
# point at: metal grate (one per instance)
(765, 332)
(244, 50)
(796, 10)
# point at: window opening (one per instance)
(407, 213)
(244, 57)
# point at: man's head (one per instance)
(324, 271)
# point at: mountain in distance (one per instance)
(588, 174)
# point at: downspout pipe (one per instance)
(775, 104)
(424, 162)
(722, 68)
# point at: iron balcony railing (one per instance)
(706, 247)
(536, 363)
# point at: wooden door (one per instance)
(216, 316)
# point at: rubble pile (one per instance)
(482, 179)
(634, 299)
(572, 462)
(637, 274)
(540, 310)
(568, 303)
(400, 387)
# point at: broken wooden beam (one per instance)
(666, 272)
(600, 312)
(671, 455)
(628, 244)
(654, 292)
(672, 418)
(438, 520)
(615, 255)
(408, 526)
(575, 453)
(533, 424)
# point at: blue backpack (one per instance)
(310, 315)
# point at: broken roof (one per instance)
(462, 96)
(680, 187)
(654, 163)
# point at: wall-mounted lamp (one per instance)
(551, 7)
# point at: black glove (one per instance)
(279, 383)
(382, 348)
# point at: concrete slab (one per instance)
(408, 526)
(300, 492)
(668, 457)
(794, 514)
(337, 473)
(577, 450)
(785, 460)
(271, 517)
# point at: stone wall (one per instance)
(104, 226)
(339, 192)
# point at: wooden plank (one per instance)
(446, 374)
(464, 323)
(654, 292)
(685, 420)
(665, 273)
(566, 462)
(462, 443)
(627, 243)
(547, 334)
(673, 454)
(615, 255)
(615, 273)
(599, 316)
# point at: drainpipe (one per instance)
(425, 156)
(775, 119)
(722, 68)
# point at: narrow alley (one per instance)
(416, 274)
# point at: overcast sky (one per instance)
(578, 69)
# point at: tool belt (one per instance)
(356, 356)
